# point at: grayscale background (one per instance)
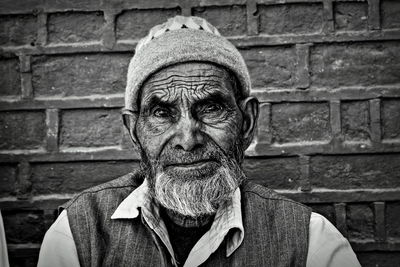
(327, 74)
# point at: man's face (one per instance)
(189, 131)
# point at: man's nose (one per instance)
(188, 136)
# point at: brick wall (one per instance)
(327, 74)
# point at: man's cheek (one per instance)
(224, 139)
(226, 131)
(156, 128)
(154, 144)
(152, 147)
(154, 137)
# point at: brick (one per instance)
(71, 27)
(42, 29)
(350, 16)
(325, 210)
(296, 122)
(290, 18)
(24, 185)
(91, 128)
(375, 117)
(135, 24)
(391, 118)
(360, 221)
(335, 117)
(328, 20)
(48, 178)
(10, 79)
(19, 5)
(8, 179)
(108, 37)
(390, 14)
(80, 75)
(374, 15)
(304, 173)
(355, 64)
(29, 5)
(302, 66)
(355, 171)
(23, 226)
(18, 30)
(53, 128)
(252, 17)
(271, 67)
(392, 219)
(379, 258)
(277, 173)
(264, 124)
(340, 218)
(229, 20)
(379, 221)
(355, 120)
(22, 130)
(67, 4)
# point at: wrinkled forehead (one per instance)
(193, 79)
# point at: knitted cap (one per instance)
(182, 39)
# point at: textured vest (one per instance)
(276, 230)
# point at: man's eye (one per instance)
(211, 108)
(161, 112)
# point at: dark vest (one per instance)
(276, 230)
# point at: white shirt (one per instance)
(327, 246)
(3, 245)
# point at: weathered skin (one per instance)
(183, 104)
(185, 109)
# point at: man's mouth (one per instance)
(192, 164)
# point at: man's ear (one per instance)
(249, 108)
(129, 118)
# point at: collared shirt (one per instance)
(228, 216)
(327, 247)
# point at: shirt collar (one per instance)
(228, 216)
(129, 207)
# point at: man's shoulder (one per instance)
(119, 187)
(260, 193)
(129, 180)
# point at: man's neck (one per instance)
(187, 221)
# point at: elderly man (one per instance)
(189, 112)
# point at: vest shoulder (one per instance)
(120, 186)
(261, 193)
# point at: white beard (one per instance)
(198, 196)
